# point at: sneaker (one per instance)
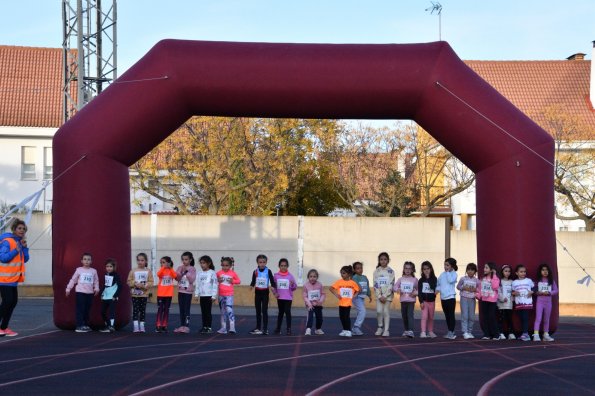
(142, 327)
(178, 329)
(385, 333)
(164, 329)
(485, 337)
(405, 334)
(447, 335)
(452, 335)
(379, 331)
(264, 332)
(423, 335)
(185, 330)
(256, 332)
(203, 330)
(357, 332)
(80, 329)
(470, 335)
(319, 332)
(547, 337)
(495, 338)
(288, 332)
(222, 330)
(232, 332)
(502, 337)
(348, 333)
(308, 331)
(342, 333)
(511, 336)
(104, 330)
(466, 336)
(111, 329)
(87, 328)
(525, 337)
(431, 334)
(208, 330)
(410, 334)
(536, 337)
(158, 329)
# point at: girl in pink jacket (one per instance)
(487, 295)
(284, 287)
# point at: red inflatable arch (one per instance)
(427, 83)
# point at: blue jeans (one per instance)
(360, 307)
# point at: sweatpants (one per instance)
(505, 321)
(427, 316)
(407, 315)
(467, 314)
(488, 319)
(163, 304)
(284, 309)
(108, 311)
(206, 304)
(261, 303)
(184, 301)
(383, 314)
(360, 307)
(10, 297)
(83, 308)
(543, 311)
(315, 311)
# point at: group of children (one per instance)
(497, 292)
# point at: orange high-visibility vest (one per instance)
(14, 270)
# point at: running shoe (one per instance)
(536, 337)
(379, 331)
(319, 332)
(222, 330)
(547, 337)
(431, 334)
(308, 331)
(9, 333)
(256, 332)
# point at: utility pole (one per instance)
(89, 51)
(437, 8)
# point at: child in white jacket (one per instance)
(206, 291)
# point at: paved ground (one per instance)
(45, 361)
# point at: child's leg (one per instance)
(104, 309)
(135, 309)
(431, 307)
(318, 313)
(258, 303)
(360, 307)
(166, 305)
(547, 311)
(281, 311)
(493, 322)
(288, 313)
(380, 313)
(142, 312)
(471, 315)
(508, 321)
(265, 310)
(386, 315)
(483, 319)
(10, 297)
(425, 310)
(539, 308)
(404, 316)
(524, 316)
(464, 315)
(410, 317)
(223, 310)
(230, 314)
(80, 309)
(344, 316)
(310, 318)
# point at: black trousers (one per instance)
(344, 316)
(448, 307)
(206, 303)
(184, 301)
(261, 303)
(315, 311)
(108, 307)
(407, 314)
(487, 318)
(505, 321)
(10, 297)
(284, 309)
(83, 308)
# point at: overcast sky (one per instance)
(484, 30)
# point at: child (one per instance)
(140, 281)
(206, 290)
(468, 286)
(227, 278)
(384, 280)
(505, 303)
(426, 288)
(345, 289)
(313, 295)
(546, 288)
(406, 287)
(522, 291)
(87, 285)
(262, 279)
(186, 276)
(165, 292)
(446, 287)
(285, 286)
(110, 294)
(359, 301)
(487, 296)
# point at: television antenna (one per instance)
(437, 8)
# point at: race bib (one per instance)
(141, 276)
(544, 287)
(283, 284)
(167, 281)
(109, 280)
(425, 288)
(203, 278)
(406, 287)
(226, 280)
(470, 285)
(261, 283)
(363, 285)
(184, 282)
(506, 290)
(313, 295)
(486, 288)
(382, 281)
(346, 292)
(86, 279)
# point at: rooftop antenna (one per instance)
(437, 8)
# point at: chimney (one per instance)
(592, 80)
(577, 56)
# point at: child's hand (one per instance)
(67, 293)
(421, 305)
(529, 293)
(96, 293)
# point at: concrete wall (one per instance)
(328, 244)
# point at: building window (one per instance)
(28, 163)
(48, 169)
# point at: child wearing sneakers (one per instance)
(227, 278)
(313, 295)
(384, 280)
(87, 285)
(360, 300)
(140, 280)
(345, 289)
(545, 289)
(206, 292)
(406, 287)
(109, 296)
(468, 286)
(505, 304)
(262, 280)
(522, 291)
(285, 286)
(426, 288)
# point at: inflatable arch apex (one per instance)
(176, 79)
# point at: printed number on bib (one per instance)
(425, 288)
(184, 282)
(486, 288)
(363, 285)
(313, 295)
(382, 281)
(261, 283)
(283, 284)
(109, 280)
(166, 281)
(406, 287)
(226, 280)
(86, 278)
(470, 286)
(141, 277)
(346, 292)
(544, 287)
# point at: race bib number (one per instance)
(261, 283)
(544, 287)
(469, 285)
(167, 281)
(406, 287)
(86, 278)
(184, 283)
(425, 288)
(141, 276)
(283, 284)
(226, 280)
(203, 278)
(486, 288)
(363, 285)
(313, 295)
(382, 281)
(506, 290)
(109, 280)
(346, 292)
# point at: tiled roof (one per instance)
(534, 86)
(30, 86)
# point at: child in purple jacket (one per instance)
(285, 286)
(545, 289)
